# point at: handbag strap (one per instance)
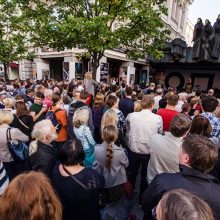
(22, 122)
(8, 134)
(75, 179)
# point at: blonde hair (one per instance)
(88, 75)
(99, 100)
(9, 102)
(6, 117)
(137, 106)
(30, 196)
(110, 117)
(81, 117)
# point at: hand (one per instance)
(44, 109)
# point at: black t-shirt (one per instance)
(77, 202)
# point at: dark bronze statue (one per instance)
(197, 39)
(207, 36)
(216, 43)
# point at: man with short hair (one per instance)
(28, 98)
(42, 155)
(126, 105)
(141, 126)
(169, 112)
(158, 97)
(37, 110)
(164, 149)
(209, 105)
(197, 157)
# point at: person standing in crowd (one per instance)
(169, 112)
(42, 155)
(83, 133)
(192, 176)
(97, 113)
(29, 97)
(126, 105)
(209, 105)
(12, 167)
(80, 103)
(180, 204)
(37, 110)
(141, 127)
(30, 196)
(78, 187)
(3, 95)
(158, 97)
(111, 161)
(47, 100)
(3, 178)
(9, 104)
(61, 117)
(164, 149)
(89, 86)
(22, 119)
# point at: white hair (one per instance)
(48, 92)
(42, 129)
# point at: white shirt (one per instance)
(157, 98)
(164, 155)
(141, 126)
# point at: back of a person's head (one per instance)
(209, 104)
(109, 118)
(163, 103)
(71, 153)
(201, 126)
(173, 100)
(83, 95)
(99, 100)
(111, 100)
(159, 91)
(30, 196)
(39, 95)
(114, 88)
(202, 152)
(180, 204)
(55, 98)
(198, 92)
(180, 125)
(147, 101)
(129, 91)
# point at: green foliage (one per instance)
(98, 25)
(13, 33)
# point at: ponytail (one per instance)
(109, 156)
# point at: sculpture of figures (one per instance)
(197, 38)
(207, 36)
(216, 44)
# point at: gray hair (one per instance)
(42, 129)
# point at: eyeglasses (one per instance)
(154, 213)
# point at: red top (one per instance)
(167, 116)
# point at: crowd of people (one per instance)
(72, 150)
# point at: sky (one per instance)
(205, 9)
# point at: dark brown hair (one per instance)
(83, 95)
(111, 100)
(147, 101)
(180, 204)
(55, 98)
(201, 126)
(30, 196)
(209, 104)
(202, 152)
(109, 135)
(179, 125)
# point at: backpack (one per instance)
(51, 115)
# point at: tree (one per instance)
(98, 25)
(13, 32)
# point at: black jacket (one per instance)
(42, 157)
(203, 185)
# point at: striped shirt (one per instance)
(3, 179)
(84, 134)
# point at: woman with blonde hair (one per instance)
(12, 167)
(97, 113)
(180, 204)
(111, 161)
(30, 196)
(83, 133)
